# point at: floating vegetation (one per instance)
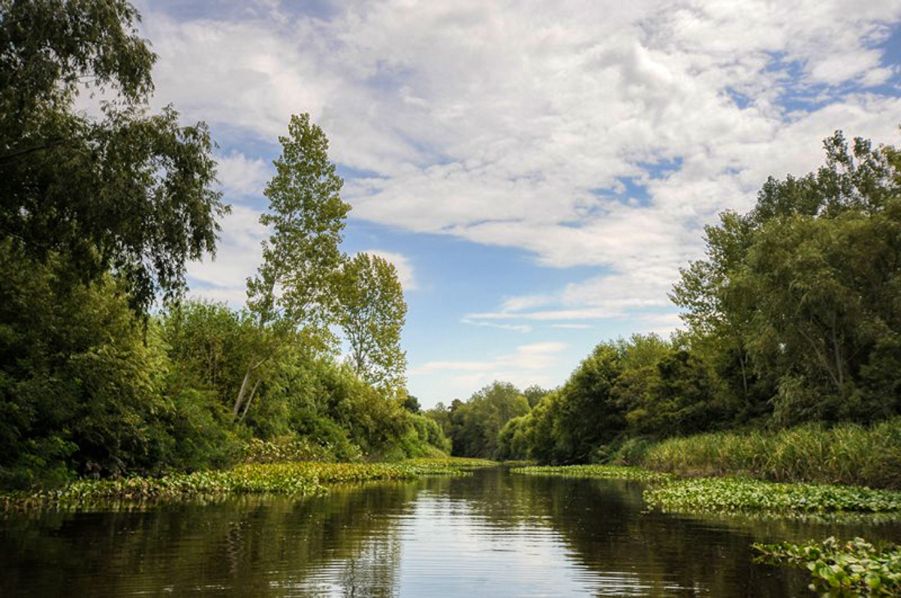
(724, 495)
(298, 478)
(841, 568)
(445, 465)
(607, 472)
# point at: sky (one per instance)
(538, 172)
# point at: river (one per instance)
(493, 533)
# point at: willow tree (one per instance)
(293, 292)
(372, 316)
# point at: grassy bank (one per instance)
(297, 478)
(844, 454)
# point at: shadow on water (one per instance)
(492, 533)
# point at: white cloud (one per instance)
(401, 264)
(514, 327)
(519, 124)
(240, 175)
(534, 356)
(527, 365)
(499, 122)
(238, 254)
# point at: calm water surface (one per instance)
(490, 534)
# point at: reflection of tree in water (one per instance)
(602, 523)
(249, 545)
(349, 543)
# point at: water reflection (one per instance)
(489, 534)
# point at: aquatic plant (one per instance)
(439, 465)
(723, 495)
(297, 478)
(610, 472)
(851, 568)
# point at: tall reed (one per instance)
(843, 454)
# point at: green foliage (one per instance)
(793, 318)
(98, 218)
(411, 404)
(604, 472)
(293, 298)
(728, 495)
(129, 191)
(854, 568)
(306, 216)
(513, 440)
(843, 454)
(801, 292)
(633, 451)
(474, 426)
(372, 316)
(287, 449)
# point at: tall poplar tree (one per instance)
(294, 288)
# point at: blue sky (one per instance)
(537, 172)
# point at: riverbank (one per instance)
(294, 478)
(844, 454)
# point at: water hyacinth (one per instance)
(723, 495)
(296, 478)
(607, 472)
(852, 568)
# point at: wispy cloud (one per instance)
(534, 356)
(513, 327)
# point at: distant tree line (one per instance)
(793, 316)
(104, 368)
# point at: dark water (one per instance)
(491, 534)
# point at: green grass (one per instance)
(608, 472)
(855, 568)
(844, 454)
(296, 478)
(728, 495)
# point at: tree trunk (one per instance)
(240, 398)
(249, 400)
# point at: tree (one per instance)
(534, 394)
(411, 404)
(372, 316)
(475, 424)
(129, 191)
(797, 297)
(294, 287)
